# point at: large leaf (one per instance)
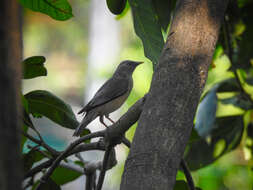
(57, 9)
(225, 136)
(116, 6)
(62, 175)
(34, 67)
(206, 113)
(163, 10)
(181, 185)
(147, 27)
(45, 103)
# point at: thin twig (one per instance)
(80, 148)
(187, 174)
(38, 168)
(104, 166)
(90, 179)
(72, 167)
(126, 142)
(41, 143)
(65, 153)
(117, 129)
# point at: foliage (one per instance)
(57, 9)
(213, 136)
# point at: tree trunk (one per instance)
(10, 73)
(167, 118)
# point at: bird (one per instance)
(110, 96)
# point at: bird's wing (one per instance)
(111, 89)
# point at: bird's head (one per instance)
(126, 68)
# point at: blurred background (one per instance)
(82, 53)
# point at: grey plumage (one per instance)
(110, 96)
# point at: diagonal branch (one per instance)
(65, 153)
(113, 136)
(187, 174)
(41, 143)
(104, 166)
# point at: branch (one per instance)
(187, 174)
(103, 170)
(65, 153)
(113, 135)
(41, 143)
(72, 167)
(80, 148)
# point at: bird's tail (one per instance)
(89, 117)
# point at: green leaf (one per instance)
(49, 185)
(116, 6)
(225, 136)
(147, 27)
(85, 132)
(57, 9)
(163, 10)
(34, 67)
(24, 103)
(181, 185)
(194, 136)
(238, 101)
(125, 11)
(245, 44)
(45, 103)
(62, 175)
(229, 85)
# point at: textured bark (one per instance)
(10, 70)
(167, 118)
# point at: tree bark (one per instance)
(10, 74)
(167, 118)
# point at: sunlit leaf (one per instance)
(147, 27)
(57, 9)
(45, 103)
(225, 136)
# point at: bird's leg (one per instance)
(101, 119)
(107, 116)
